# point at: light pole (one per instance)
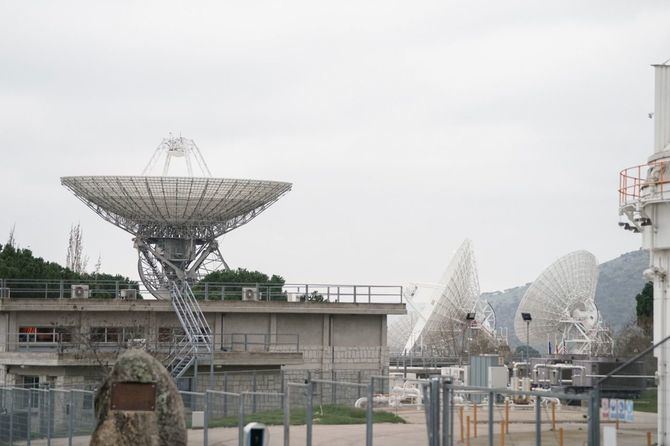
(527, 318)
(469, 317)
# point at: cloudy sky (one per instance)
(404, 126)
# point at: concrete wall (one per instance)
(328, 341)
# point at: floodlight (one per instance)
(470, 317)
(526, 317)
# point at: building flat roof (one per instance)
(112, 305)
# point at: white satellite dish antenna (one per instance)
(437, 312)
(561, 303)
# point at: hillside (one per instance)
(619, 281)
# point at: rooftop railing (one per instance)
(63, 340)
(214, 291)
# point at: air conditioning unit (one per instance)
(79, 291)
(128, 294)
(249, 293)
(293, 297)
(4, 293)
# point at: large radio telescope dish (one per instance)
(176, 220)
(561, 302)
(439, 322)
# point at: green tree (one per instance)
(229, 283)
(242, 275)
(644, 308)
(23, 265)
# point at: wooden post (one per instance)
(507, 416)
(553, 416)
(460, 413)
(467, 436)
(502, 433)
(648, 438)
(560, 437)
(474, 426)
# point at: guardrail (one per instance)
(66, 341)
(288, 292)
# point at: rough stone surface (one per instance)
(162, 427)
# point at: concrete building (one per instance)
(68, 342)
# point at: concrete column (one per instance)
(273, 328)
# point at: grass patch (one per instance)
(327, 414)
(648, 401)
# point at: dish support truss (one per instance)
(584, 338)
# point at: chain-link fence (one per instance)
(433, 412)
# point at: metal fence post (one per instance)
(309, 412)
(225, 395)
(370, 413)
(70, 423)
(11, 416)
(283, 387)
(287, 415)
(205, 431)
(30, 415)
(240, 427)
(492, 399)
(594, 417)
(435, 410)
(49, 414)
(538, 421)
(445, 412)
(425, 391)
(253, 396)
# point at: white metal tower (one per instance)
(644, 198)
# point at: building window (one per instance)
(44, 334)
(31, 382)
(169, 334)
(116, 334)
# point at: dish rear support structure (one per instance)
(176, 222)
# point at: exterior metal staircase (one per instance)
(197, 339)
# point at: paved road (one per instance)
(522, 432)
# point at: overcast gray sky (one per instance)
(404, 126)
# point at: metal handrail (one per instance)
(279, 342)
(291, 292)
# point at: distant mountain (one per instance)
(619, 281)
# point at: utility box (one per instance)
(197, 419)
(479, 373)
(498, 377)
